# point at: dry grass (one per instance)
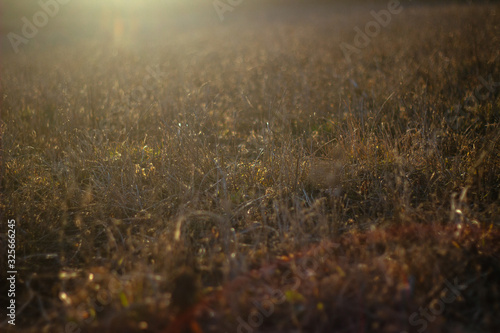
(259, 167)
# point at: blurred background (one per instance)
(135, 22)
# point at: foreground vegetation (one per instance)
(243, 176)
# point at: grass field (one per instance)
(273, 171)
